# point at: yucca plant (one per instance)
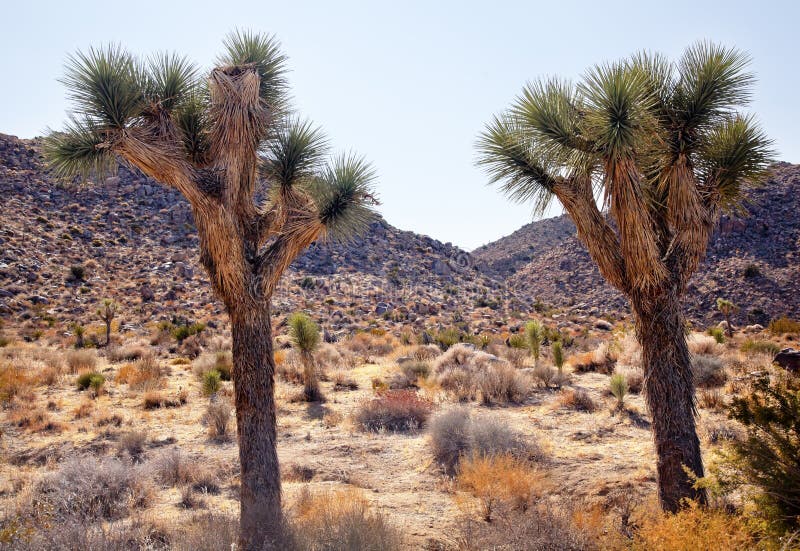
(305, 338)
(534, 334)
(558, 356)
(727, 309)
(665, 148)
(618, 385)
(261, 188)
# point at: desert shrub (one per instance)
(33, 419)
(618, 385)
(499, 480)
(455, 434)
(220, 361)
(690, 529)
(721, 432)
(534, 334)
(709, 371)
(327, 356)
(600, 360)
(393, 410)
(711, 398)
(518, 341)
(183, 331)
(767, 458)
(343, 381)
(760, 347)
(459, 383)
(702, 344)
(515, 356)
(718, 333)
(132, 444)
(425, 352)
(368, 346)
(577, 399)
(784, 325)
(416, 370)
(634, 378)
(91, 488)
(541, 527)
(211, 382)
(502, 384)
(127, 353)
(80, 360)
(154, 399)
(557, 351)
(446, 338)
(340, 521)
(218, 417)
(91, 379)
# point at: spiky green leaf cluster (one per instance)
(643, 108)
(264, 53)
(304, 332)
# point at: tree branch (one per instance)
(575, 194)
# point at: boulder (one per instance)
(603, 325)
(789, 359)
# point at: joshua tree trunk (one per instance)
(669, 390)
(310, 382)
(108, 333)
(253, 379)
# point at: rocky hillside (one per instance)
(754, 260)
(134, 240)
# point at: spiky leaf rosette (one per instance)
(262, 52)
(295, 154)
(304, 332)
(345, 197)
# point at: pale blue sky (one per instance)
(408, 84)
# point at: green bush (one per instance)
(211, 382)
(558, 355)
(767, 459)
(447, 338)
(760, 347)
(517, 341)
(534, 333)
(183, 332)
(717, 333)
(224, 364)
(90, 379)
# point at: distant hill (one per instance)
(754, 260)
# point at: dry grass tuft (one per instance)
(81, 360)
(218, 418)
(500, 479)
(600, 360)
(577, 399)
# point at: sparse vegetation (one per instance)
(305, 337)
(618, 384)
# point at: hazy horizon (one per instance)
(410, 86)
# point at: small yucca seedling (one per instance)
(619, 388)
(305, 337)
(558, 356)
(211, 382)
(717, 333)
(534, 333)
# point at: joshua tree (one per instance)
(534, 334)
(260, 191)
(727, 308)
(305, 337)
(107, 312)
(558, 356)
(666, 147)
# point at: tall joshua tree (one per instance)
(260, 190)
(666, 147)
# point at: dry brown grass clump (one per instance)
(155, 399)
(601, 360)
(502, 384)
(393, 410)
(127, 353)
(218, 418)
(33, 419)
(708, 370)
(81, 360)
(691, 529)
(700, 343)
(14, 381)
(144, 374)
(340, 521)
(500, 480)
(370, 346)
(466, 373)
(577, 399)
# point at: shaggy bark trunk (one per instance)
(311, 384)
(253, 376)
(669, 389)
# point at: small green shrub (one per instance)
(517, 341)
(183, 332)
(751, 271)
(768, 457)
(77, 272)
(89, 379)
(447, 338)
(534, 333)
(558, 355)
(618, 385)
(96, 382)
(717, 333)
(760, 347)
(784, 325)
(211, 382)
